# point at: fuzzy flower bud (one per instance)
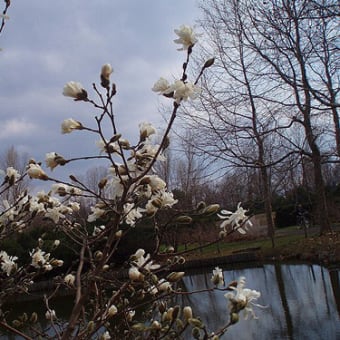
(135, 274)
(187, 313)
(105, 75)
(35, 171)
(68, 125)
(69, 279)
(50, 314)
(112, 310)
(74, 90)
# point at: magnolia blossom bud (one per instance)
(98, 255)
(175, 276)
(168, 315)
(211, 209)
(119, 233)
(164, 286)
(35, 171)
(112, 310)
(135, 274)
(50, 314)
(53, 159)
(75, 90)
(156, 325)
(68, 125)
(69, 279)
(209, 62)
(102, 183)
(183, 219)
(187, 313)
(146, 130)
(34, 317)
(105, 75)
(57, 263)
(90, 327)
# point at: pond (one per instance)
(302, 302)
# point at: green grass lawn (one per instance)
(287, 240)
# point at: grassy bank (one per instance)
(290, 243)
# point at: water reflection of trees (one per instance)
(303, 302)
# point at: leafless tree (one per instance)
(240, 121)
(12, 158)
(188, 171)
(280, 33)
(275, 69)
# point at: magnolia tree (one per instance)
(131, 301)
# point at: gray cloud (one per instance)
(47, 43)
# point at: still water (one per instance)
(302, 303)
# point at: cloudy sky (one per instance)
(47, 43)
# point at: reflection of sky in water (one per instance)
(300, 300)
(301, 303)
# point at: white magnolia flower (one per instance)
(96, 213)
(156, 183)
(50, 314)
(36, 206)
(162, 86)
(12, 174)
(217, 277)
(8, 264)
(238, 220)
(116, 186)
(243, 298)
(151, 208)
(63, 189)
(135, 274)
(106, 147)
(55, 213)
(74, 206)
(9, 212)
(187, 37)
(98, 230)
(144, 261)
(147, 152)
(69, 279)
(68, 125)
(105, 336)
(132, 214)
(74, 90)
(39, 258)
(146, 130)
(184, 91)
(50, 160)
(167, 199)
(35, 171)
